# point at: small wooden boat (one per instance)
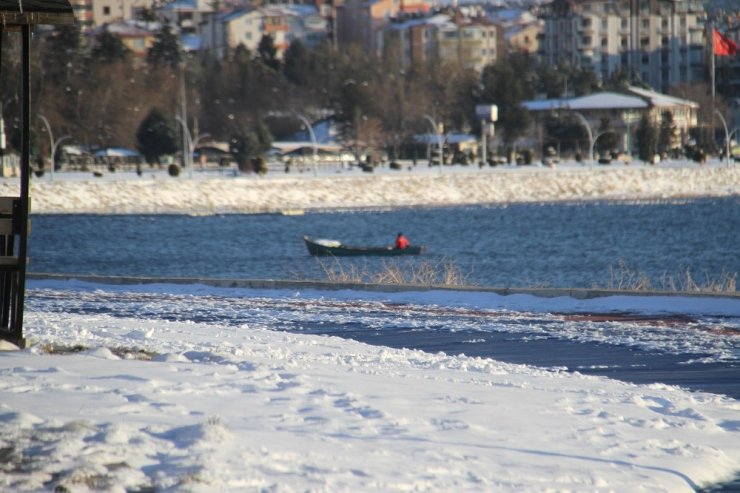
(322, 247)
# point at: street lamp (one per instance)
(53, 143)
(591, 139)
(439, 139)
(305, 121)
(187, 157)
(727, 136)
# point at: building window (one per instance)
(106, 10)
(645, 59)
(645, 23)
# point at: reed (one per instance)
(623, 277)
(424, 273)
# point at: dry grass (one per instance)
(424, 273)
(624, 278)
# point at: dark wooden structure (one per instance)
(21, 16)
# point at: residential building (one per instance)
(83, 12)
(661, 41)
(284, 23)
(361, 21)
(450, 37)
(524, 38)
(187, 14)
(469, 41)
(521, 29)
(136, 36)
(109, 11)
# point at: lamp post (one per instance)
(187, 157)
(591, 139)
(53, 143)
(439, 139)
(305, 121)
(727, 136)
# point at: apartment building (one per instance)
(473, 42)
(362, 21)
(662, 41)
(284, 23)
(110, 11)
(469, 41)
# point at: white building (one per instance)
(623, 111)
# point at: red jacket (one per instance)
(401, 242)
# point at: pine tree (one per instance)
(166, 49)
(267, 52)
(156, 137)
(647, 139)
(109, 48)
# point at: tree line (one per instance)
(95, 91)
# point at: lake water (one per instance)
(544, 245)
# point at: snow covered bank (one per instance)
(123, 193)
(211, 407)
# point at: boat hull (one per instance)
(323, 248)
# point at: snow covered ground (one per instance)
(215, 193)
(146, 403)
(140, 404)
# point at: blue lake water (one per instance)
(520, 245)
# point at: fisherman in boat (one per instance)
(401, 241)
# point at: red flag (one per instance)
(723, 46)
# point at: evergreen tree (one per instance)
(267, 52)
(62, 56)
(584, 82)
(109, 48)
(647, 139)
(166, 49)
(156, 137)
(507, 86)
(667, 133)
(263, 136)
(244, 145)
(296, 64)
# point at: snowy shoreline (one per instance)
(206, 193)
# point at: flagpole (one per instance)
(713, 76)
(711, 44)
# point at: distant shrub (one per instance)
(259, 165)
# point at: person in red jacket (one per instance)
(401, 241)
